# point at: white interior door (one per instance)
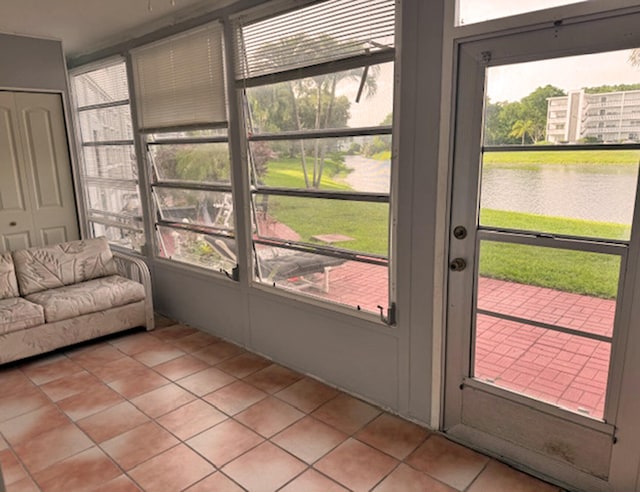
(544, 246)
(37, 203)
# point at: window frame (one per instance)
(89, 215)
(242, 83)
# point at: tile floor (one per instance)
(177, 409)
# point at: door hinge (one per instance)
(390, 318)
(486, 57)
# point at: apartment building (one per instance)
(611, 117)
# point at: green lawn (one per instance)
(568, 157)
(312, 216)
(584, 273)
(572, 271)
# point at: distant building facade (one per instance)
(606, 117)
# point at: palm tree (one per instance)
(298, 49)
(522, 128)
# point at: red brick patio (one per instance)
(558, 368)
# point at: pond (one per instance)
(366, 174)
(602, 193)
(591, 192)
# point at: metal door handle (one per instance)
(457, 265)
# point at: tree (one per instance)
(310, 103)
(522, 129)
(513, 122)
(534, 108)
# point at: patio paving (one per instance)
(566, 370)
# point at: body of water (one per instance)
(369, 175)
(600, 193)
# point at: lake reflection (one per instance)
(598, 193)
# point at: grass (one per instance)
(572, 271)
(554, 225)
(568, 157)
(385, 155)
(311, 216)
(590, 274)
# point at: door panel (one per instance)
(16, 221)
(36, 164)
(546, 188)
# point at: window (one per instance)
(108, 171)
(318, 103)
(182, 112)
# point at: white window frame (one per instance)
(387, 313)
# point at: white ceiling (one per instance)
(85, 26)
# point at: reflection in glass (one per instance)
(110, 161)
(106, 124)
(104, 85)
(114, 199)
(357, 226)
(203, 163)
(208, 208)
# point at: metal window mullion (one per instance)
(195, 228)
(105, 105)
(546, 326)
(127, 184)
(113, 223)
(322, 250)
(105, 143)
(330, 195)
(185, 141)
(93, 212)
(192, 186)
(184, 128)
(323, 133)
(339, 65)
(554, 241)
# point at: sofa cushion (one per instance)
(87, 297)
(54, 266)
(18, 314)
(8, 282)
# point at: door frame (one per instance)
(570, 37)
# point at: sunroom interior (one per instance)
(427, 205)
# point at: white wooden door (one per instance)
(37, 203)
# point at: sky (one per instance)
(513, 82)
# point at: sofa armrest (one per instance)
(136, 269)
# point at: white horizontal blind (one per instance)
(179, 81)
(323, 32)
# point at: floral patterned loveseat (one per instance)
(58, 295)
